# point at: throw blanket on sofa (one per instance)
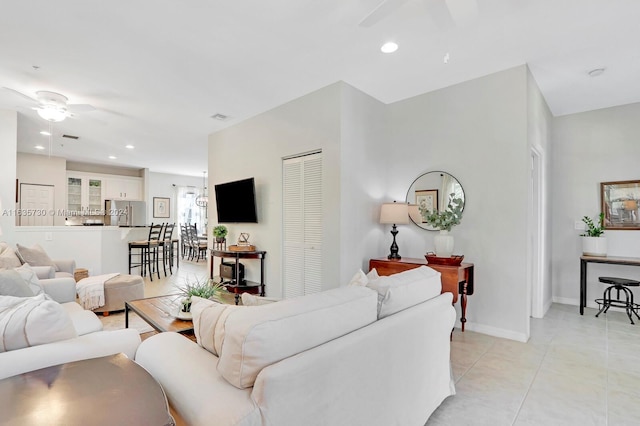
(91, 290)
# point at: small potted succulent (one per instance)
(200, 287)
(220, 233)
(593, 242)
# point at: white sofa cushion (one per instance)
(208, 322)
(12, 284)
(84, 321)
(31, 278)
(405, 289)
(253, 300)
(195, 390)
(31, 321)
(8, 258)
(35, 256)
(262, 335)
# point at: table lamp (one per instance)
(396, 214)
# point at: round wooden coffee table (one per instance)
(111, 390)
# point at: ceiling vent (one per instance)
(70, 136)
(220, 117)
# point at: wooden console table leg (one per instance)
(463, 304)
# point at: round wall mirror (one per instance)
(433, 190)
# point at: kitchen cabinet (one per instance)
(85, 193)
(123, 188)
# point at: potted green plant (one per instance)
(444, 221)
(200, 287)
(220, 233)
(593, 242)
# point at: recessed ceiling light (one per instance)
(44, 132)
(39, 147)
(446, 58)
(389, 47)
(596, 72)
(129, 146)
(112, 157)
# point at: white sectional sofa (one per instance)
(322, 359)
(91, 341)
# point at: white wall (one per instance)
(589, 148)
(364, 138)
(476, 131)
(45, 170)
(256, 148)
(8, 150)
(165, 185)
(539, 121)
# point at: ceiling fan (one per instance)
(446, 13)
(53, 106)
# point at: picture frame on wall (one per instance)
(161, 207)
(620, 204)
(427, 199)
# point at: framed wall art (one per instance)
(427, 200)
(620, 202)
(161, 207)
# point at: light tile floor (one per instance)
(575, 370)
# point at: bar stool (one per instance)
(618, 284)
(166, 245)
(148, 252)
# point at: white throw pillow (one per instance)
(405, 289)
(252, 300)
(259, 336)
(35, 256)
(30, 276)
(12, 284)
(359, 279)
(208, 322)
(8, 258)
(31, 321)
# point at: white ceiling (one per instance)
(157, 70)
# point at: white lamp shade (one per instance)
(414, 213)
(394, 213)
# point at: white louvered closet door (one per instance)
(302, 227)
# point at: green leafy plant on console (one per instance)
(447, 219)
(593, 230)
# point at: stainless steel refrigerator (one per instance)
(125, 213)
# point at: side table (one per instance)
(111, 390)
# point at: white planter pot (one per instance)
(443, 243)
(594, 246)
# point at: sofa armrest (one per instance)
(94, 345)
(44, 272)
(62, 290)
(66, 265)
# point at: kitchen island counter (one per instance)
(100, 249)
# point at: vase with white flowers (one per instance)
(444, 221)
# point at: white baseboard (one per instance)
(496, 332)
(576, 302)
(566, 301)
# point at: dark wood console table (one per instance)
(236, 287)
(611, 260)
(455, 279)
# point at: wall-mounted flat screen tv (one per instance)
(236, 201)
